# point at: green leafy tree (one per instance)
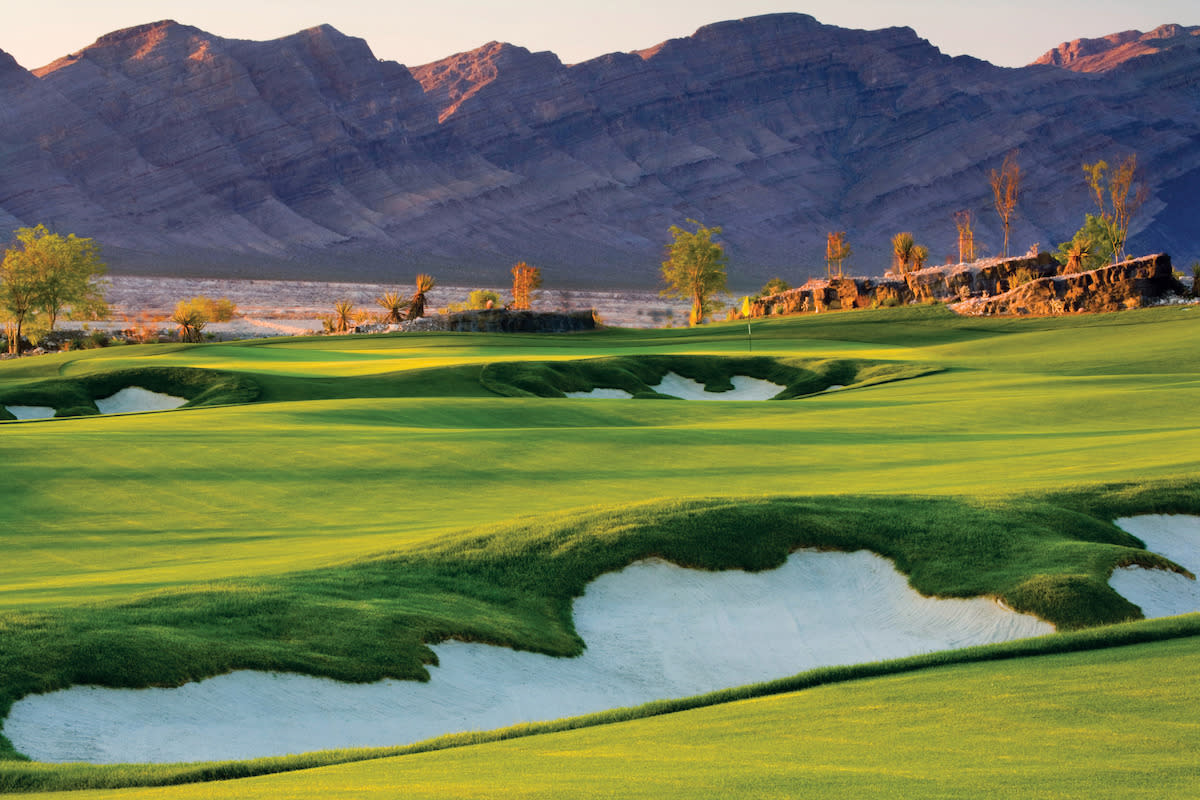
(48, 273)
(70, 267)
(19, 288)
(695, 269)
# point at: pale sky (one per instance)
(1005, 32)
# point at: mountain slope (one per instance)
(307, 156)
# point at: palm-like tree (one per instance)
(416, 305)
(920, 254)
(393, 303)
(903, 245)
(1077, 253)
(191, 321)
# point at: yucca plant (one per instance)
(343, 316)
(191, 319)
(393, 305)
(1077, 252)
(920, 254)
(416, 305)
(903, 245)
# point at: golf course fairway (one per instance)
(332, 506)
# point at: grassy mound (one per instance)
(513, 585)
(76, 396)
(638, 374)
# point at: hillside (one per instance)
(306, 156)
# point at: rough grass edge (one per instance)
(25, 777)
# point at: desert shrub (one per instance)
(1020, 276)
(480, 298)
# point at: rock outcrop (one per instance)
(186, 153)
(1032, 285)
(1130, 284)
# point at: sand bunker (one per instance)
(134, 398)
(743, 388)
(676, 385)
(1157, 592)
(31, 412)
(653, 631)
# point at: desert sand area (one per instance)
(291, 308)
(653, 631)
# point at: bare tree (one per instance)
(1006, 185)
(525, 280)
(836, 251)
(1126, 193)
(966, 236)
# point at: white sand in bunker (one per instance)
(31, 412)
(1161, 593)
(653, 631)
(744, 388)
(132, 399)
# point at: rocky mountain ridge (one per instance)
(1115, 50)
(306, 156)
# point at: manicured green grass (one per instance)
(1074, 725)
(335, 479)
(378, 491)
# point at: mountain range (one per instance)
(182, 152)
